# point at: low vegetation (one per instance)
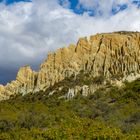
(108, 114)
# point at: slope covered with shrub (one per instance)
(109, 113)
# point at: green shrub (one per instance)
(107, 114)
(99, 80)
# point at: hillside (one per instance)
(86, 91)
(111, 113)
(108, 55)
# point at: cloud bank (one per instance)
(29, 30)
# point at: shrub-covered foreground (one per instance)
(108, 114)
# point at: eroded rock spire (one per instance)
(102, 54)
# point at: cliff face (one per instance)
(102, 54)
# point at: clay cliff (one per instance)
(107, 54)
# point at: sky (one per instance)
(29, 29)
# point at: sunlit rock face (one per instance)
(105, 54)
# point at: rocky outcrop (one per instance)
(26, 79)
(24, 83)
(112, 54)
(84, 90)
(2, 96)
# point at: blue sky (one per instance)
(81, 9)
(29, 30)
(12, 1)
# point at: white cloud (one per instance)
(29, 30)
(102, 6)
